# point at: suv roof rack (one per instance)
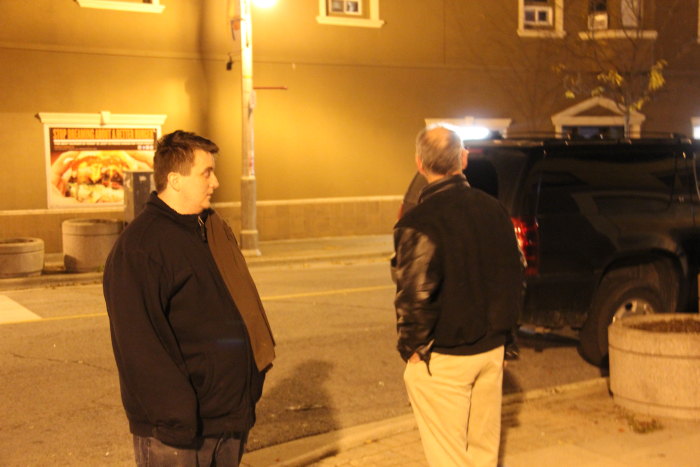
(550, 138)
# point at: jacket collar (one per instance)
(441, 185)
(190, 221)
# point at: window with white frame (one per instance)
(344, 7)
(359, 13)
(140, 6)
(598, 18)
(541, 18)
(696, 127)
(538, 16)
(604, 22)
(631, 13)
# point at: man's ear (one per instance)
(465, 158)
(174, 181)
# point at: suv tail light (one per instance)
(528, 242)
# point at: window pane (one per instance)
(597, 5)
(631, 13)
(336, 6)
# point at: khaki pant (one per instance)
(458, 408)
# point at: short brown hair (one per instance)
(175, 153)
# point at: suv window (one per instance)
(497, 171)
(609, 179)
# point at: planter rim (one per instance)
(630, 321)
(91, 227)
(20, 240)
(621, 335)
(21, 245)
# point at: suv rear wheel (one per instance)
(616, 297)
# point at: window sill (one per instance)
(121, 6)
(356, 22)
(617, 34)
(552, 34)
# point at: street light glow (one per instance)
(264, 3)
(473, 132)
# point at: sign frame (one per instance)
(105, 140)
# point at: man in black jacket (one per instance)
(458, 297)
(190, 336)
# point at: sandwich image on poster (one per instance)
(87, 166)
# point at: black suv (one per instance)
(608, 228)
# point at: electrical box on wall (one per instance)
(138, 185)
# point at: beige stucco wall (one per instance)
(277, 220)
(344, 127)
(355, 97)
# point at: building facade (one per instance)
(343, 86)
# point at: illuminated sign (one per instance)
(86, 165)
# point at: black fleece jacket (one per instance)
(458, 272)
(185, 363)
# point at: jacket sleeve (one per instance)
(152, 373)
(417, 281)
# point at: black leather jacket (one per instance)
(458, 272)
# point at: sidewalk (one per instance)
(273, 253)
(571, 425)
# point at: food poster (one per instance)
(86, 166)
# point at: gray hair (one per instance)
(439, 149)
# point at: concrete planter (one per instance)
(656, 372)
(21, 257)
(87, 242)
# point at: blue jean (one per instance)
(225, 451)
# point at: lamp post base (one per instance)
(249, 243)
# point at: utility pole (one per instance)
(249, 230)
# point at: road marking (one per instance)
(13, 312)
(32, 317)
(326, 292)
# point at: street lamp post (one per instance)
(249, 231)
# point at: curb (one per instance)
(57, 279)
(51, 280)
(281, 260)
(311, 449)
(534, 394)
(305, 451)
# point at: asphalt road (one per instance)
(336, 365)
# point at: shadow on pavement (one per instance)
(297, 407)
(510, 412)
(539, 341)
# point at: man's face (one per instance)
(197, 187)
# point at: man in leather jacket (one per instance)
(458, 298)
